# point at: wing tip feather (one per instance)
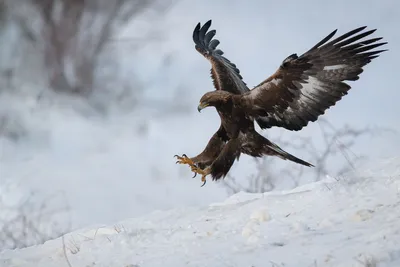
(203, 37)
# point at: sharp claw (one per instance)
(203, 183)
(184, 159)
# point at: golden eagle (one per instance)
(302, 89)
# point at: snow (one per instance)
(342, 221)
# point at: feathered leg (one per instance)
(209, 154)
(223, 163)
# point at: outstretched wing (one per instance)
(304, 87)
(226, 76)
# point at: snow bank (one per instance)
(343, 221)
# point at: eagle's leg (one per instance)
(202, 172)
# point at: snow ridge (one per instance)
(346, 221)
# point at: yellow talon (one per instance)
(203, 179)
(184, 160)
(203, 173)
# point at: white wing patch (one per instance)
(334, 67)
(308, 94)
(307, 97)
(312, 86)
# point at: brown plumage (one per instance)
(301, 90)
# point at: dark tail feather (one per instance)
(285, 155)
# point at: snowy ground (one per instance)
(346, 221)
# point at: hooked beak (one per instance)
(201, 106)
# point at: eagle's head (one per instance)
(214, 99)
